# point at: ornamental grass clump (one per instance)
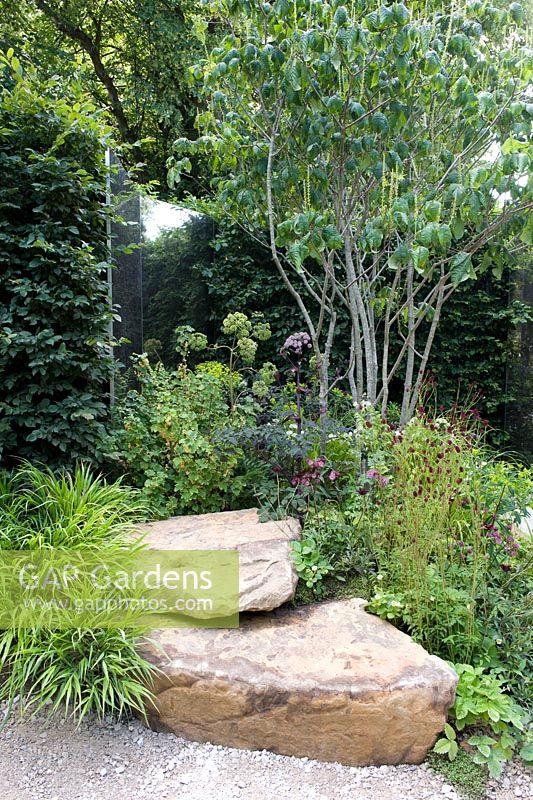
(72, 671)
(80, 510)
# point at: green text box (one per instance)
(145, 588)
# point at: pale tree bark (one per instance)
(356, 302)
(386, 341)
(441, 299)
(411, 339)
(355, 370)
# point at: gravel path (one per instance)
(107, 761)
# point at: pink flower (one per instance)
(374, 475)
(333, 475)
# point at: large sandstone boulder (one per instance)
(267, 577)
(327, 681)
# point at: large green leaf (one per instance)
(461, 268)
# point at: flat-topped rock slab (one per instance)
(267, 577)
(326, 681)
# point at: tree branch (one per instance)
(84, 40)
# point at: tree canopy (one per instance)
(133, 56)
(381, 146)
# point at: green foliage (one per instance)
(54, 310)
(79, 510)
(132, 57)
(422, 526)
(482, 705)
(310, 565)
(445, 552)
(191, 278)
(173, 294)
(436, 517)
(342, 554)
(242, 277)
(236, 273)
(215, 369)
(183, 436)
(481, 701)
(241, 338)
(295, 479)
(447, 745)
(73, 671)
(188, 340)
(377, 142)
(280, 430)
(468, 777)
(164, 439)
(473, 345)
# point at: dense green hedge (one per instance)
(473, 344)
(54, 311)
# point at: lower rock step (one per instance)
(326, 681)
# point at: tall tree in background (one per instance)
(133, 56)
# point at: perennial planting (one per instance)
(378, 161)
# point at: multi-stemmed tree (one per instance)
(381, 146)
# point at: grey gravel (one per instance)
(42, 760)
